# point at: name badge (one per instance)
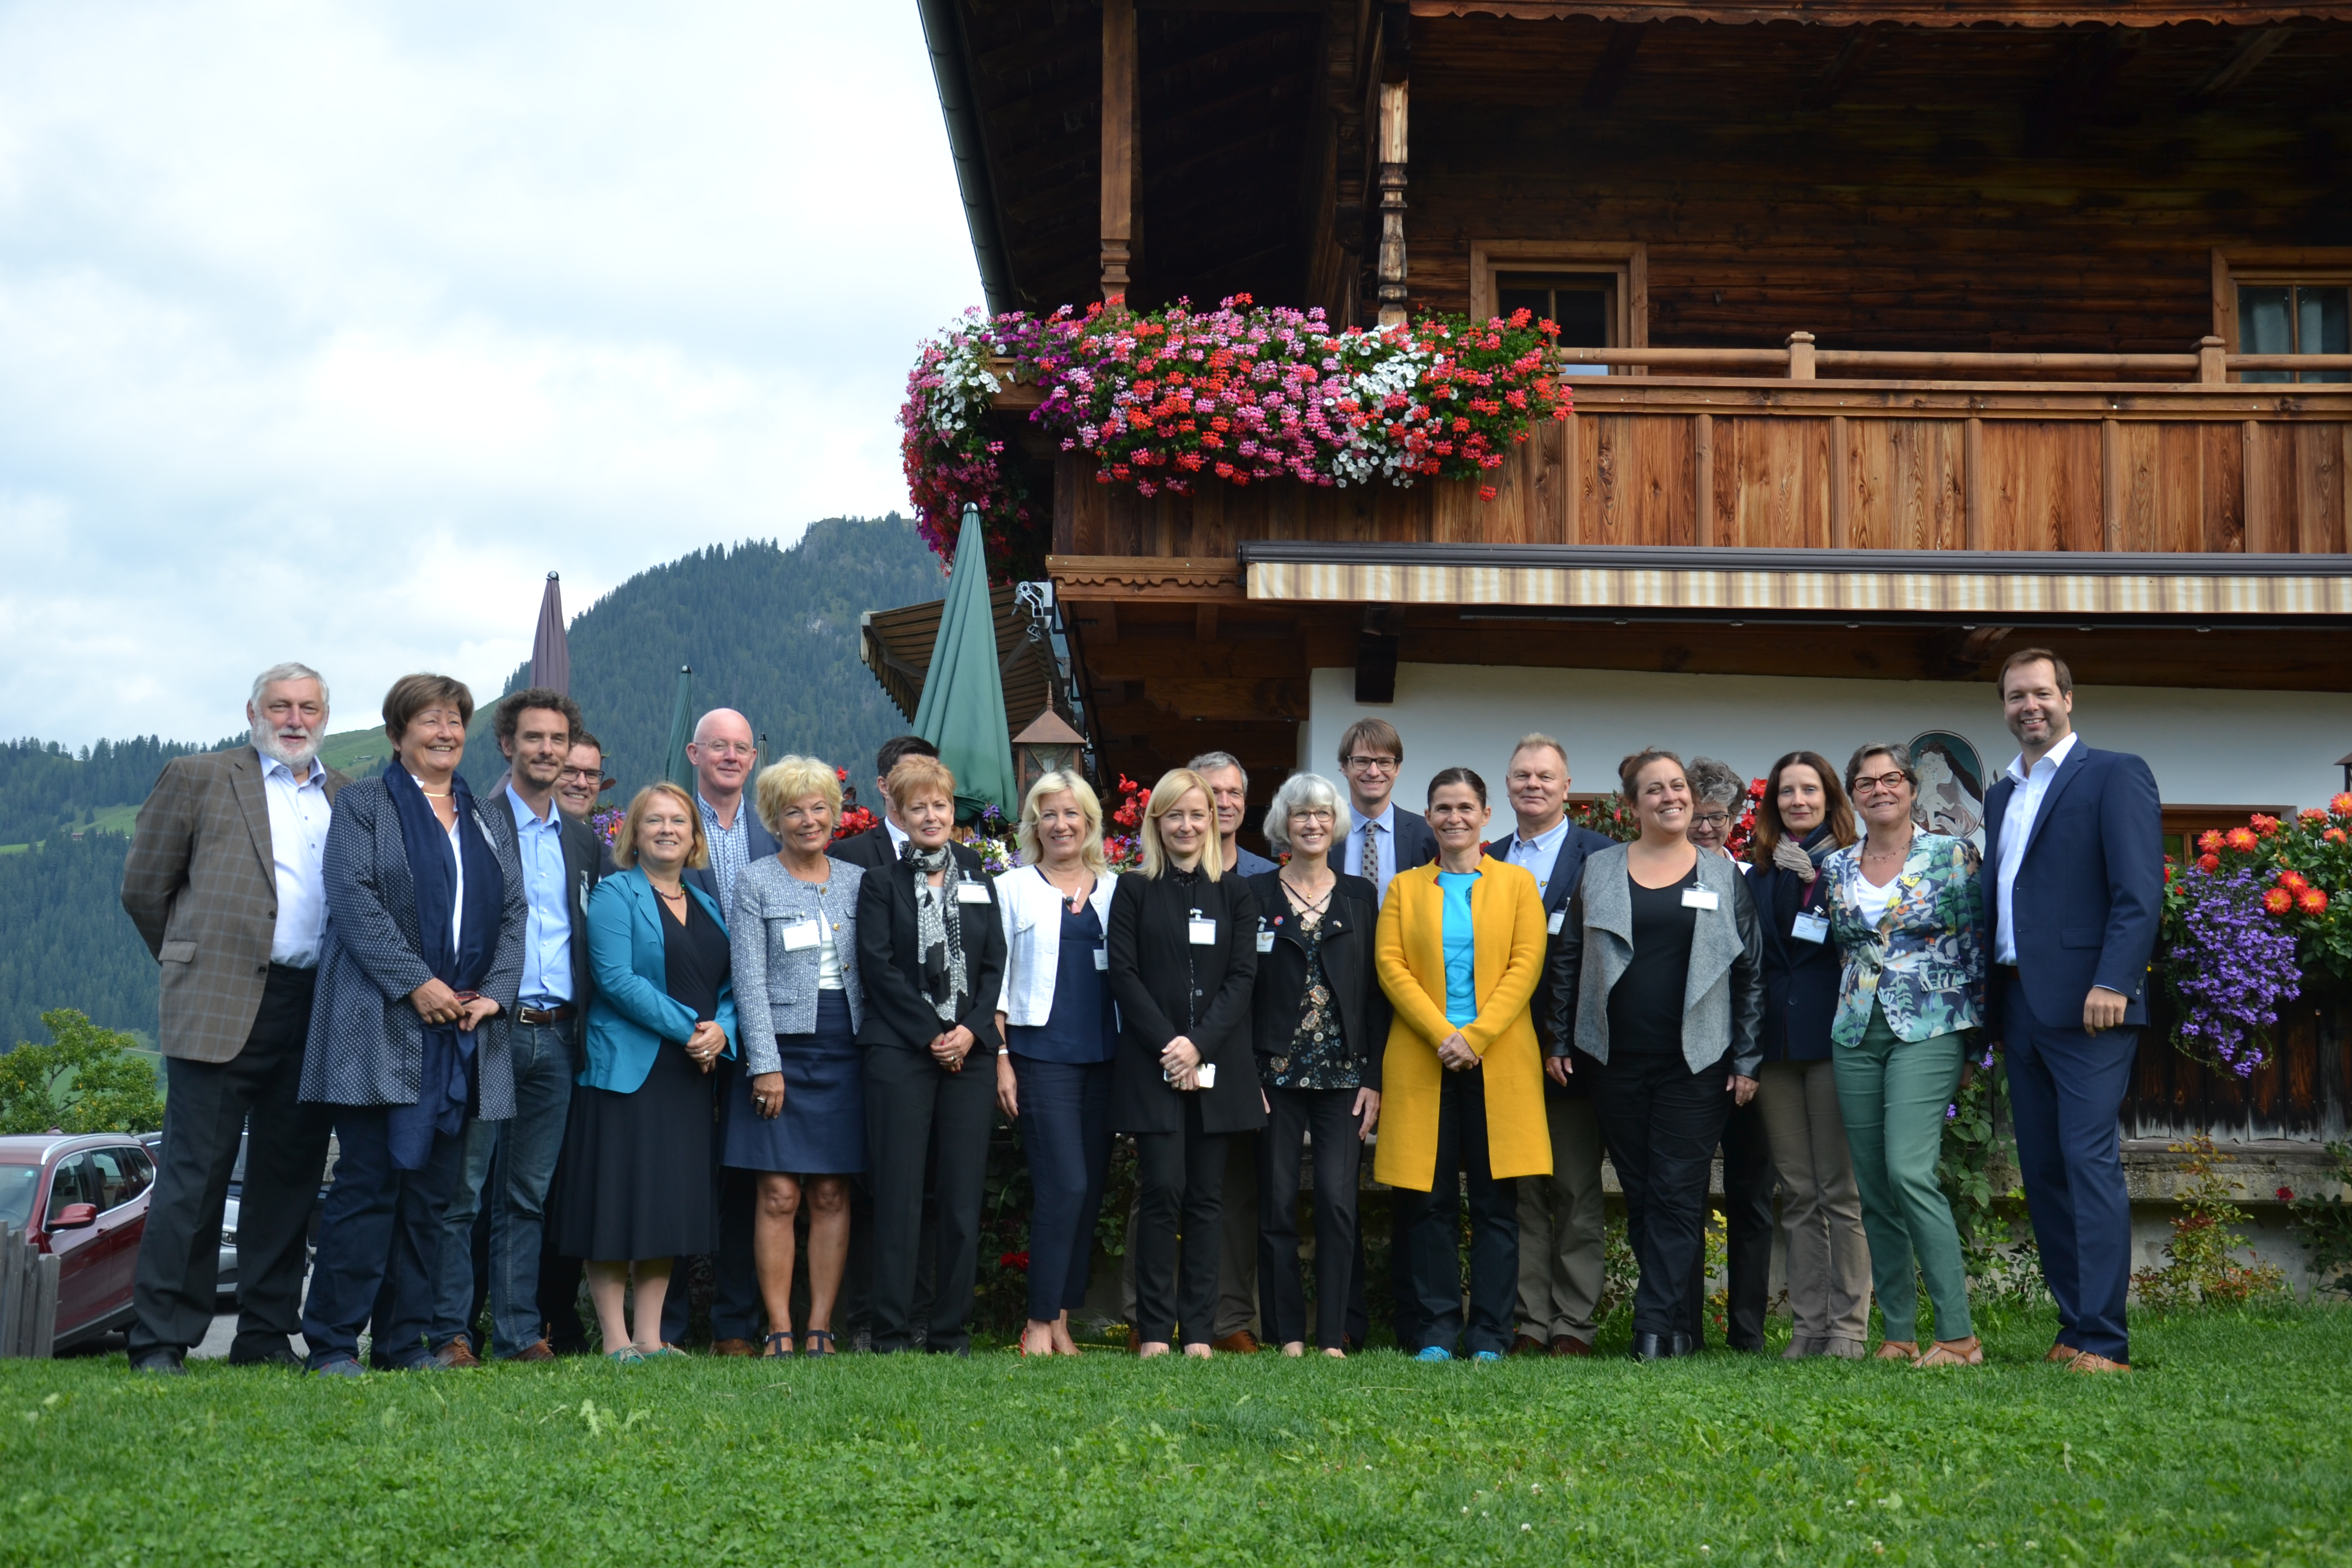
(1205, 1074)
(1811, 927)
(1102, 958)
(801, 934)
(1203, 928)
(971, 893)
(1266, 941)
(1552, 925)
(1699, 899)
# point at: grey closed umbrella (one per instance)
(550, 654)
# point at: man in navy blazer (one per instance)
(1560, 1216)
(2074, 890)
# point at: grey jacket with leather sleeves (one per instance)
(1723, 1000)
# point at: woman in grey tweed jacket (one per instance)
(797, 1114)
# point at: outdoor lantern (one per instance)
(2345, 761)
(1047, 745)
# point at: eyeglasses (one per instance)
(728, 748)
(1364, 765)
(582, 775)
(1714, 819)
(1870, 783)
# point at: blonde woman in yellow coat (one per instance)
(1460, 949)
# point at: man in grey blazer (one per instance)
(534, 729)
(224, 883)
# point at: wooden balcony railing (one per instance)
(1800, 359)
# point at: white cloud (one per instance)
(332, 328)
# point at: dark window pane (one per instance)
(1578, 302)
(2322, 328)
(2265, 326)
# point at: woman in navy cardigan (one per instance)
(637, 1151)
(1802, 820)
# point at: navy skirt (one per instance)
(822, 1129)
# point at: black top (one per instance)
(1646, 1006)
(1166, 984)
(696, 959)
(898, 1011)
(1081, 1028)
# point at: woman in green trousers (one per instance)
(1909, 921)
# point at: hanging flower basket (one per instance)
(1169, 399)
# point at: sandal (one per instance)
(783, 1339)
(811, 1336)
(1897, 1349)
(663, 1353)
(627, 1356)
(1969, 1351)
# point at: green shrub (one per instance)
(90, 1080)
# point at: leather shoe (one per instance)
(538, 1350)
(1238, 1343)
(2062, 1352)
(2087, 1362)
(1526, 1344)
(167, 1361)
(456, 1355)
(279, 1354)
(1568, 1345)
(734, 1347)
(1653, 1347)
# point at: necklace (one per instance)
(1073, 901)
(434, 794)
(678, 897)
(1306, 905)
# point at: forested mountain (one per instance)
(770, 631)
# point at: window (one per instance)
(2295, 319)
(2285, 302)
(75, 1183)
(17, 1186)
(1598, 292)
(123, 1174)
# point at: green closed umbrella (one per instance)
(675, 766)
(962, 710)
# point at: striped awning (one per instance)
(1713, 582)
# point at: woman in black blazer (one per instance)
(1802, 820)
(1183, 947)
(1320, 1024)
(931, 958)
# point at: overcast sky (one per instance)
(328, 330)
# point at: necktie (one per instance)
(1372, 853)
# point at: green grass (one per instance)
(2229, 1445)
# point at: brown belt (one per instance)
(541, 1017)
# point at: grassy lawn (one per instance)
(2231, 1444)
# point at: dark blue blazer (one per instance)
(2089, 894)
(1416, 844)
(1801, 978)
(1576, 845)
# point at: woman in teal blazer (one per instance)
(639, 1148)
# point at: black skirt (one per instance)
(637, 1169)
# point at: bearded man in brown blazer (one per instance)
(224, 882)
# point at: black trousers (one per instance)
(1179, 1230)
(209, 1105)
(1661, 1122)
(1328, 1115)
(919, 1118)
(1748, 1178)
(1433, 1221)
(735, 1303)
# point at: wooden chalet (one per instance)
(1917, 330)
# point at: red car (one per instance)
(83, 1197)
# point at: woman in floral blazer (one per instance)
(1909, 921)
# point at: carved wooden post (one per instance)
(1394, 97)
(2213, 367)
(1119, 118)
(1801, 356)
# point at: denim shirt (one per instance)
(1924, 962)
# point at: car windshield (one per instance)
(17, 1186)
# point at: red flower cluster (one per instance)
(855, 820)
(1743, 832)
(1014, 1260)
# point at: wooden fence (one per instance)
(28, 1297)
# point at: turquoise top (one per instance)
(1460, 948)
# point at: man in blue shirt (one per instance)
(560, 859)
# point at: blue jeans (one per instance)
(513, 1162)
(379, 1245)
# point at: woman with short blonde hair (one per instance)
(789, 781)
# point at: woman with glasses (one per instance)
(1460, 948)
(1321, 1022)
(1908, 918)
(1658, 990)
(1802, 820)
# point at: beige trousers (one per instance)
(1829, 1256)
(1560, 1227)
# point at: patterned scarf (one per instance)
(939, 927)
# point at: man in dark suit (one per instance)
(534, 729)
(878, 846)
(874, 850)
(1384, 839)
(2074, 893)
(577, 788)
(724, 754)
(224, 883)
(1560, 1216)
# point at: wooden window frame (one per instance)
(1629, 260)
(2328, 265)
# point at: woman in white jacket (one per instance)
(1059, 1029)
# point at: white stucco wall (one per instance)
(2207, 747)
